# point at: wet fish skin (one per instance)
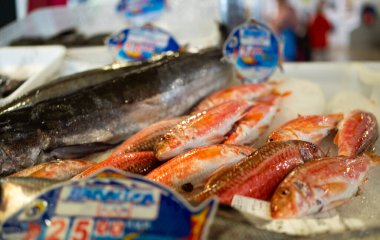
(195, 166)
(319, 185)
(133, 162)
(247, 92)
(108, 112)
(16, 192)
(311, 128)
(201, 129)
(56, 170)
(69, 84)
(357, 133)
(259, 174)
(256, 121)
(146, 139)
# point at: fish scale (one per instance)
(246, 92)
(357, 133)
(201, 129)
(146, 138)
(195, 166)
(319, 185)
(312, 128)
(257, 176)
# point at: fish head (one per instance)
(278, 136)
(167, 147)
(309, 151)
(283, 203)
(290, 200)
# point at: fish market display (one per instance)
(201, 129)
(357, 133)
(247, 92)
(307, 128)
(133, 162)
(57, 169)
(19, 191)
(319, 185)
(94, 118)
(190, 169)
(259, 174)
(254, 124)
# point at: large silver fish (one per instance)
(92, 118)
(69, 84)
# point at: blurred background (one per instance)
(311, 30)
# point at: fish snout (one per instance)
(283, 204)
(166, 147)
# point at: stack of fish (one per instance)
(206, 153)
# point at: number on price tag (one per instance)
(58, 229)
(81, 229)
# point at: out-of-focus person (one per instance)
(319, 27)
(365, 40)
(284, 24)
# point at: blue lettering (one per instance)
(115, 195)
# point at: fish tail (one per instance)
(199, 219)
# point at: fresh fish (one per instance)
(134, 162)
(312, 128)
(189, 170)
(319, 185)
(247, 130)
(57, 169)
(245, 92)
(16, 192)
(146, 139)
(201, 129)
(258, 175)
(357, 133)
(107, 112)
(66, 85)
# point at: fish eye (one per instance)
(284, 192)
(187, 187)
(270, 140)
(34, 211)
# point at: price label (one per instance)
(141, 44)
(110, 205)
(254, 51)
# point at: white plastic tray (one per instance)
(35, 64)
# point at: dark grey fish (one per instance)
(69, 84)
(107, 112)
(16, 192)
